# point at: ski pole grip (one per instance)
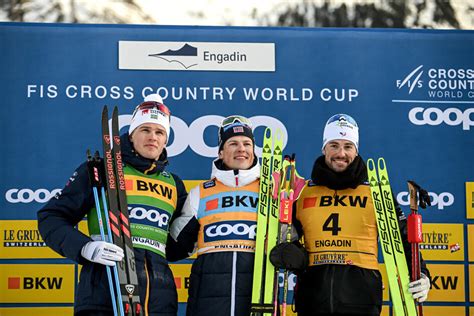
(285, 210)
(414, 228)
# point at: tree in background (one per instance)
(310, 13)
(74, 11)
(368, 14)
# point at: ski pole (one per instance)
(285, 218)
(94, 176)
(291, 186)
(415, 236)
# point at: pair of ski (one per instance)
(280, 186)
(107, 176)
(391, 238)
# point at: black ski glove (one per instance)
(290, 256)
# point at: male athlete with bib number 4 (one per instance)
(219, 218)
(335, 214)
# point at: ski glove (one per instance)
(102, 252)
(420, 288)
(289, 256)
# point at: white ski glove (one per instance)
(102, 252)
(420, 288)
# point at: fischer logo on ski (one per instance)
(265, 275)
(390, 238)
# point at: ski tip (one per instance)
(381, 163)
(268, 133)
(370, 164)
(279, 135)
(105, 113)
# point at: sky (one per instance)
(209, 12)
(239, 12)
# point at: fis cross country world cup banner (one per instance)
(410, 91)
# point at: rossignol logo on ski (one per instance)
(130, 288)
(117, 219)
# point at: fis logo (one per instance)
(230, 230)
(29, 283)
(412, 80)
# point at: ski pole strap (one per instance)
(417, 192)
(94, 166)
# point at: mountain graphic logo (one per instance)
(183, 56)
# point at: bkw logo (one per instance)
(34, 283)
(412, 80)
(444, 283)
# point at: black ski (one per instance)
(118, 213)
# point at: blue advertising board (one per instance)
(411, 92)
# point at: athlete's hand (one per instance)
(102, 252)
(290, 256)
(420, 288)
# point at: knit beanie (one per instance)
(234, 125)
(341, 126)
(151, 110)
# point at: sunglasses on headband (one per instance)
(153, 105)
(230, 120)
(342, 117)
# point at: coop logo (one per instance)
(291, 280)
(151, 215)
(230, 230)
(193, 135)
(435, 116)
(440, 201)
(412, 80)
(35, 283)
(29, 196)
(189, 56)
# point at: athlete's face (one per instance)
(339, 154)
(149, 139)
(237, 153)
